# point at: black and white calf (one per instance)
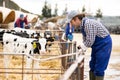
(28, 31)
(16, 44)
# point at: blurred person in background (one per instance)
(68, 32)
(21, 22)
(96, 36)
(66, 38)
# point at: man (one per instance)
(66, 37)
(21, 22)
(96, 36)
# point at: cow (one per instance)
(38, 24)
(28, 31)
(17, 44)
(25, 33)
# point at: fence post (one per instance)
(22, 66)
(64, 51)
(70, 50)
(74, 46)
(80, 73)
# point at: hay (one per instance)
(10, 17)
(53, 19)
(31, 17)
(34, 20)
(47, 66)
(1, 17)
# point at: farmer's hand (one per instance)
(82, 47)
(63, 37)
(78, 47)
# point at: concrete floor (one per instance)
(113, 70)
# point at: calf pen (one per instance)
(73, 69)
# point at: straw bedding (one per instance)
(16, 62)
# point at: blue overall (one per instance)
(68, 32)
(101, 50)
(21, 24)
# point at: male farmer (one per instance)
(96, 36)
(21, 22)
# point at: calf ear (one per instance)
(39, 46)
(30, 52)
(15, 39)
(46, 46)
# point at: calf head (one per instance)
(36, 47)
(42, 42)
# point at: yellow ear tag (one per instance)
(34, 45)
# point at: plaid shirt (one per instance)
(93, 28)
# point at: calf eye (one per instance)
(22, 51)
(7, 42)
(15, 39)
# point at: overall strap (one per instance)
(82, 28)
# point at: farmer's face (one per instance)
(22, 18)
(76, 22)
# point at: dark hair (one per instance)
(80, 16)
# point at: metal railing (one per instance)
(73, 69)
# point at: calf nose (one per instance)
(42, 51)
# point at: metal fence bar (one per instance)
(35, 30)
(72, 68)
(22, 67)
(78, 63)
(67, 74)
(48, 42)
(81, 67)
(59, 56)
(29, 69)
(31, 73)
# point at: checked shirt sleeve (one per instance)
(91, 32)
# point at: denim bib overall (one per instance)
(101, 50)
